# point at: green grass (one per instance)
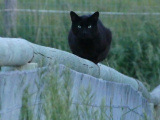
(136, 38)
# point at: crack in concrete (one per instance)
(42, 55)
(31, 58)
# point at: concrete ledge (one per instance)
(28, 66)
(16, 51)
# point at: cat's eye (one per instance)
(79, 26)
(89, 26)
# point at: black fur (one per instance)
(88, 38)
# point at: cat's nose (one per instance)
(84, 32)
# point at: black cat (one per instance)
(88, 38)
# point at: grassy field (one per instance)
(136, 38)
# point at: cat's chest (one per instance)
(86, 44)
(88, 47)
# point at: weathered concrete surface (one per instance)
(121, 97)
(14, 52)
(28, 66)
(155, 96)
(17, 52)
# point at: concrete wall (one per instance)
(122, 98)
(21, 62)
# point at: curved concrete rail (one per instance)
(14, 52)
(155, 96)
(17, 52)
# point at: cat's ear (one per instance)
(74, 16)
(94, 16)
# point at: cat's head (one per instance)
(84, 27)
